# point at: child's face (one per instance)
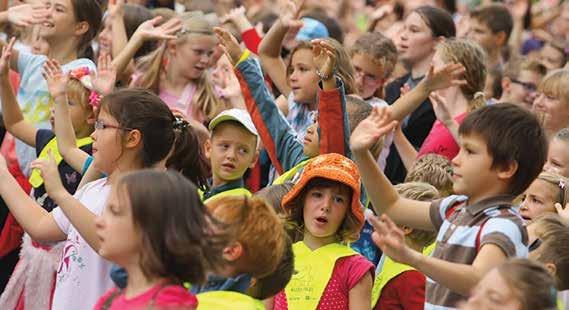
(193, 56)
(483, 35)
(558, 158)
(81, 117)
(553, 112)
(303, 79)
(119, 239)
(492, 292)
(369, 75)
(540, 197)
(415, 41)
(107, 143)
(522, 90)
(311, 142)
(233, 149)
(473, 174)
(60, 21)
(106, 37)
(324, 210)
(551, 57)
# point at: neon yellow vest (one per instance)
(389, 270)
(313, 271)
(227, 300)
(232, 192)
(35, 178)
(290, 174)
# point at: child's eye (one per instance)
(339, 199)
(316, 194)
(243, 150)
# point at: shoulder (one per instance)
(101, 303)
(175, 296)
(505, 228)
(352, 269)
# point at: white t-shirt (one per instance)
(83, 275)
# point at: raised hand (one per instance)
(56, 80)
(229, 44)
(105, 78)
(324, 57)
(289, 13)
(440, 107)
(368, 131)
(449, 75)
(167, 31)
(25, 15)
(116, 8)
(563, 212)
(391, 240)
(5, 58)
(50, 174)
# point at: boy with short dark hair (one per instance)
(491, 26)
(519, 82)
(477, 230)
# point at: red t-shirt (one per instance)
(348, 271)
(440, 140)
(158, 296)
(406, 291)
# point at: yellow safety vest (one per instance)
(232, 192)
(389, 270)
(290, 174)
(35, 178)
(227, 300)
(313, 271)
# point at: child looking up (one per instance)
(558, 154)
(479, 229)
(542, 195)
(324, 214)
(156, 227)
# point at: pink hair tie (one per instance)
(94, 99)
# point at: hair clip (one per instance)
(180, 123)
(94, 99)
(80, 73)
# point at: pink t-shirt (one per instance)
(348, 271)
(159, 297)
(440, 140)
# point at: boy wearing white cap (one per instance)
(231, 150)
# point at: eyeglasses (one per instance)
(534, 245)
(100, 125)
(531, 87)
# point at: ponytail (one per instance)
(477, 102)
(91, 12)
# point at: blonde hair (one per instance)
(473, 58)
(422, 192)
(433, 169)
(78, 93)
(553, 231)
(560, 183)
(204, 102)
(556, 84)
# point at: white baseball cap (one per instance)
(238, 115)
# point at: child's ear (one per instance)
(508, 170)
(81, 28)
(91, 117)
(407, 230)
(255, 158)
(500, 38)
(171, 47)
(233, 252)
(207, 148)
(506, 82)
(551, 268)
(133, 138)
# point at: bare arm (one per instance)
(270, 56)
(360, 295)
(405, 149)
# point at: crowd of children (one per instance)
(284, 154)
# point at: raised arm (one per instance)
(11, 113)
(271, 45)
(383, 196)
(146, 31)
(406, 151)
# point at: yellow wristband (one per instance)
(244, 56)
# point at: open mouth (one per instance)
(48, 25)
(228, 166)
(322, 220)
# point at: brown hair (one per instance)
(256, 226)
(161, 132)
(496, 17)
(554, 233)
(344, 71)
(88, 11)
(274, 194)
(433, 169)
(422, 192)
(473, 58)
(177, 239)
(134, 15)
(380, 48)
(532, 285)
(349, 230)
(516, 65)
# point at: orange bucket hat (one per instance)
(333, 167)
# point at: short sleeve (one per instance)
(43, 136)
(28, 62)
(507, 234)
(61, 220)
(357, 267)
(439, 208)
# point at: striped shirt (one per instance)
(463, 229)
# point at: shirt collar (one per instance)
(224, 187)
(496, 201)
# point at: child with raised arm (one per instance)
(478, 228)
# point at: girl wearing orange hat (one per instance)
(324, 214)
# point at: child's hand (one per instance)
(167, 31)
(449, 75)
(324, 57)
(441, 109)
(116, 8)
(50, 174)
(404, 90)
(229, 44)
(563, 212)
(289, 12)
(105, 78)
(238, 18)
(56, 80)
(368, 131)
(25, 15)
(5, 58)
(391, 240)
